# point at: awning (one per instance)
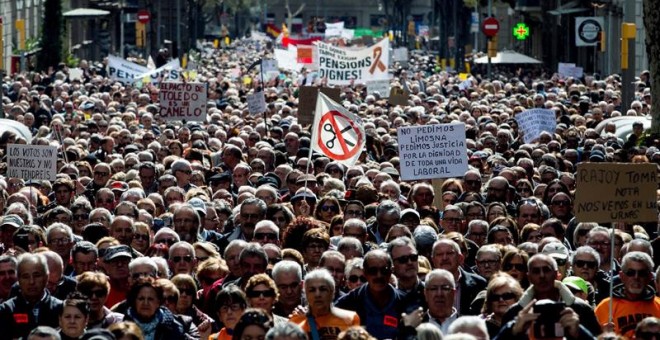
(85, 13)
(508, 57)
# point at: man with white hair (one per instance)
(265, 232)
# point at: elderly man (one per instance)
(253, 260)
(115, 263)
(265, 232)
(8, 266)
(181, 169)
(378, 304)
(288, 278)
(439, 293)
(34, 306)
(404, 256)
(252, 210)
(187, 223)
(453, 219)
(59, 238)
(182, 258)
(388, 214)
(542, 275)
(634, 299)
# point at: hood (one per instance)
(619, 292)
(564, 293)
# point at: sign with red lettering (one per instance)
(179, 101)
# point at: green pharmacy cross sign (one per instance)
(521, 31)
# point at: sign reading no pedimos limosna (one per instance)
(616, 192)
(32, 162)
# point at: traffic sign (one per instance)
(521, 31)
(143, 16)
(490, 27)
(587, 30)
(338, 136)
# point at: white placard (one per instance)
(533, 122)
(75, 73)
(180, 101)
(334, 29)
(256, 103)
(566, 70)
(36, 162)
(400, 54)
(380, 86)
(340, 66)
(269, 68)
(287, 59)
(432, 151)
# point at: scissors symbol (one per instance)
(331, 143)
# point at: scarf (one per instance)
(148, 328)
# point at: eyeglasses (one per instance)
(440, 288)
(261, 293)
(142, 237)
(560, 262)
(233, 307)
(406, 258)
(171, 298)
(561, 203)
(373, 271)
(99, 293)
(80, 217)
(59, 241)
(356, 278)
(331, 208)
(488, 263)
(101, 173)
(595, 244)
(136, 276)
(168, 241)
(502, 297)
(177, 259)
(268, 236)
(637, 273)
(585, 264)
(517, 266)
(187, 291)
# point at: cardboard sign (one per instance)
(380, 86)
(616, 192)
(37, 162)
(533, 122)
(307, 101)
(437, 189)
(341, 65)
(180, 101)
(256, 103)
(399, 96)
(432, 151)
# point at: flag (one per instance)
(337, 133)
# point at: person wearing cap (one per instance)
(578, 286)
(633, 299)
(33, 306)
(8, 226)
(542, 275)
(559, 252)
(115, 264)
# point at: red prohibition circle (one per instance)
(329, 117)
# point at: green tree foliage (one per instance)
(51, 35)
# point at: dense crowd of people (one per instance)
(227, 229)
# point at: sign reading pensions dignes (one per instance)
(616, 192)
(341, 65)
(180, 101)
(28, 162)
(432, 151)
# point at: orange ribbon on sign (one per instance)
(378, 51)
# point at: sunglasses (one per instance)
(101, 173)
(373, 271)
(585, 264)
(177, 259)
(261, 293)
(356, 278)
(99, 293)
(79, 217)
(268, 236)
(168, 241)
(187, 291)
(171, 299)
(561, 203)
(406, 258)
(638, 273)
(502, 297)
(142, 237)
(331, 208)
(518, 266)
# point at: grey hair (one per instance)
(489, 249)
(354, 263)
(137, 192)
(168, 231)
(388, 207)
(446, 241)
(104, 212)
(441, 273)
(9, 259)
(267, 223)
(547, 258)
(161, 263)
(350, 243)
(287, 266)
(637, 256)
(321, 274)
(428, 331)
(356, 222)
(256, 202)
(234, 244)
(587, 250)
(183, 245)
(468, 324)
(39, 259)
(400, 242)
(474, 223)
(286, 330)
(60, 226)
(143, 260)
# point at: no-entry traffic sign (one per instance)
(143, 16)
(490, 27)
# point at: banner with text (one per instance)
(533, 122)
(256, 103)
(180, 101)
(36, 162)
(616, 192)
(340, 65)
(128, 72)
(432, 151)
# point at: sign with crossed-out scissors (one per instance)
(338, 136)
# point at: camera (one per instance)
(547, 325)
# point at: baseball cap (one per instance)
(116, 252)
(577, 283)
(119, 186)
(11, 220)
(198, 205)
(556, 250)
(307, 196)
(409, 211)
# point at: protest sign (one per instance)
(256, 103)
(533, 122)
(337, 133)
(400, 54)
(307, 101)
(566, 70)
(340, 65)
(611, 192)
(305, 54)
(75, 73)
(380, 86)
(334, 29)
(464, 85)
(36, 162)
(269, 68)
(398, 96)
(287, 59)
(180, 101)
(128, 73)
(432, 151)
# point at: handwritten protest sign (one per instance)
(398, 96)
(533, 122)
(307, 101)
(432, 151)
(611, 192)
(180, 101)
(380, 86)
(256, 103)
(37, 162)
(341, 65)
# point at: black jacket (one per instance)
(471, 285)
(171, 327)
(17, 316)
(506, 333)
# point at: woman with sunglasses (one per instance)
(585, 264)
(502, 292)
(185, 305)
(524, 188)
(96, 287)
(326, 209)
(514, 263)
(355, 273)
(262, 292)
